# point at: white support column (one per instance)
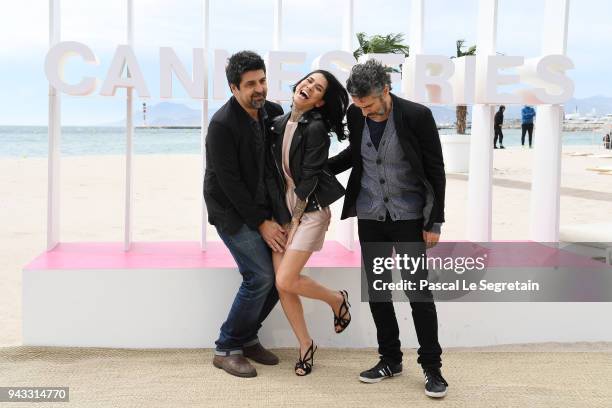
(345, 232)
(204, 122)
(55, 131)
(546, 178)
(480, 191)
(556, 21)
(129, 125)
(347, 25)
(417, 24)
(278, 25)
(480, 183)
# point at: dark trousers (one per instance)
(424, 316)
(498, 134)
(256, 296)
(526, 128)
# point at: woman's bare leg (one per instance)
(292, 306)
(290, 280)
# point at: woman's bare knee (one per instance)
(284, 283)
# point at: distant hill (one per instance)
(164, 114)
(168, 113)
(176, 114)
(601, 104)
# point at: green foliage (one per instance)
(460, 49)
(381, 44)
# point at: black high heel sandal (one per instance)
(305, 363)
(342, 320)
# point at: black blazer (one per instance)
(418, 136)
(308, 155)
(231, 177)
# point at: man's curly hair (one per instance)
(367, 79)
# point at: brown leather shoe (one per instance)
(235, 364)
(260, 355)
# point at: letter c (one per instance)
(54, 67)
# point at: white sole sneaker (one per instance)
(376, 380)
(436, 394)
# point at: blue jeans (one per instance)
(256, 296)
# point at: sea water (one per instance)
(32, 141)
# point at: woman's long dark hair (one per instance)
(336, 102)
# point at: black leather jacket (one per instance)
(308, 155)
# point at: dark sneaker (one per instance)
(501, 147)
(380, 371)
(260, 355)
(435, 384)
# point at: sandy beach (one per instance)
(168, 206)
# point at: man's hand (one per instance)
(273, 234)
(430, 238)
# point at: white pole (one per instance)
(480, 183)
(129, 176)
(347, 26)
(417, 23)
(204, 122)
(55, 130)
(546, 179)
(277, 29)
(278, 25)
(345, 232)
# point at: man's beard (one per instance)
(258, 104)
(382, 112)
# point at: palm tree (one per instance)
(461, 110)
(381, 44)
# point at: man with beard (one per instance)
(239, 209)
(396, 191)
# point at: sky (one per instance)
(312, 26)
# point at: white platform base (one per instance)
(170, 308)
